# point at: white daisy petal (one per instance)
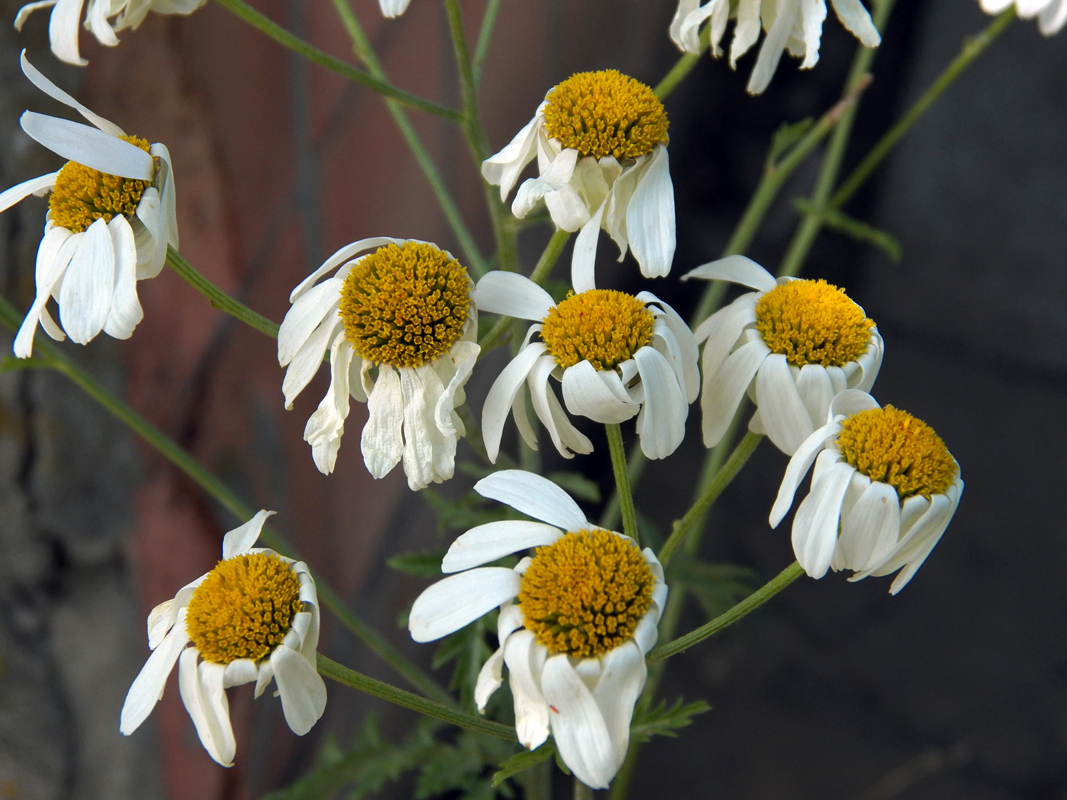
(125, 311)
(240, 540)
(621, 683)
(87, 145)
(798, 467)
(512, 295)
(856, 19)
(382, 442)
(523, 658)
(583, 256)
(393, 8)
(871, 528)
(650, 217)
(736, 269)
(88, 285)
(53, 259)
(782, 409)
(21, 191)
(205, 700)
(818, 517)
(595, 395)
(502, 395)
(503, 169)
(147, 687)
(578, 728)
(240, 672)
(722, 390)
(534, 496)
(458, 600)
(494, 540)
(301, 688)
(662, 421)
(490, 676)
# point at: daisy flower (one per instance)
(601, 144)
(110, 219)
(400, 326)
(104, 18)
(791, 344)
(883, 491)
(1051, 14)
(616, 355)
(795, 25)
(253, 618)
(576, 620)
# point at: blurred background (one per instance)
(956, 688)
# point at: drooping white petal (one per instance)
(798, 467)
(773, 46)
(490, 676)
(578, 728)
(88, 284)
(302, 690)
(240, 540)
(661, 424)
(721, 331)
(503, 168)
(534, 496)
(382, 441)
(125, 311)
(782, 409)
(687, 345)
(205, 700)
(512, 295)
(326, 425)
(722, 390)
(393, 8)
(458, 600)
(485, 543)
(593, 394)
(816, 524)
(151, 235)
(53, 258)
(88, 146)
(560, 429)
(347, 252)
(852, 401)
(858, 21)
(239, 672)
(502, 394)
(164, 181)
(650, 217)
(308, 358)
(817, 387)
(305, 315)
(553, 179)
(523, 657)
(871, 528)
(147, 687)
(736, 269)
(96, 20)
(425, 446)
(583, 256)
(622, 680)
(21, 191)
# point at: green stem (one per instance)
(581, 791)
(812, 223)
(312, 53)
(507, 254)
(364, 52)
(742, 609)
(671, 80)
(356, 680)
(972, 48)
(484, 36)
(635, 468)
(622, 482)
(218, 298)
(710, 494)
(51, 356)
(544, 266)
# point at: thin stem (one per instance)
(635, 468)
(544, 266)
(312, 53)
(810, 226)
(742, 609)
(51, 356)
(364, 52)
(484, 36)
(710, 494)
(218, 298)
(622, 482)
(670, 81)
(972, 48)
(363, 683)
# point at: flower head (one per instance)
(795, 25)
(791, 344)
(616, 355)
(883, 491)
(601, 144)
(399, 325)
(576, 620)
(104, 18)
(1051, 14)
(253, 618)
(110, 219)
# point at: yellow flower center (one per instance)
(405, 305)
(82, 195)
(601, 326)
(812, 322)
(605, 114)
(585, 594)
(243, 608)
(893, 447)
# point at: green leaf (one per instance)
(787, 135)
(419, 565)
(838, 220)
(664, 721)
(520, 762)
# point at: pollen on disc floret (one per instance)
(82, 195)
(243, 608)
(584, 594)
(405, 305)
(813, 322)
(605, 113)
(891, 446)
(601, 326)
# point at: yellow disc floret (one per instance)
(585, 594)
(82, 195)
(243, 608)
(892, 446)
(601, 326)
(813, 322)
(605, 114)
(405, 305)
